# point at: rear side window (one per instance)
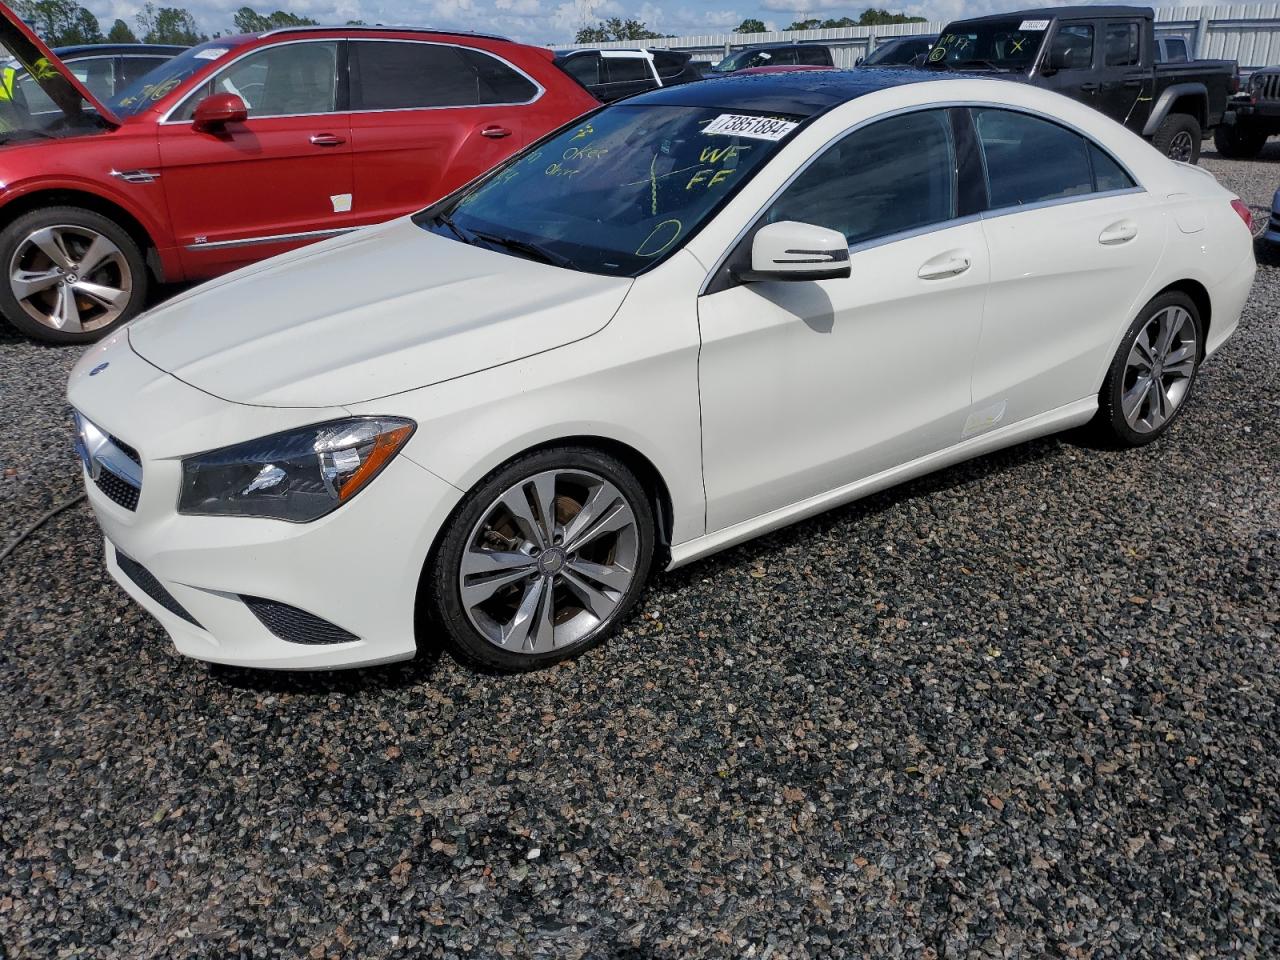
(403, 75)
(1031, 160)
(1173, 50)
(891, 176)
(669, 64)
(815, 56)
(1121, 45)
(627, 69)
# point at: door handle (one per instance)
(1088, 87)
(327, 140)
(1133, 84)
(949, 264)
(1122, 231)
(495, 133)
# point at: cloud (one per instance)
(524, 8)
(805, 6)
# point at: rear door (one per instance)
(283, 177)
(426, 118)
(1125, 87)
(627, 73)
(1071, 238)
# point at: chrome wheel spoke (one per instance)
(1184, 351)
(516, 501)
(612, 576)
(485, 572)
(598, 602)
(1168, 327)
(1140, 355)
(532, 630)
(1159, 369)
(24, 283)
(51, 241)
(100, 248)
(605, 512)
(1131, 402)
(542, 493)
(110, 297)
(66, 312)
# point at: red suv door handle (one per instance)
(327, 140)
(495, 133)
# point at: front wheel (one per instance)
(543, 559)
(1178, 138)
(1152, 373)
(72, 275)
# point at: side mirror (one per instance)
(859, 62)
(216, 111)
(1059, 58)
(788, 250)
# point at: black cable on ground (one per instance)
(37, 524)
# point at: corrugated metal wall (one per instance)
(1245, 32)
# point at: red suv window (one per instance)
(400, 75)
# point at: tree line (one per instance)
(618, 28)
(64, 22)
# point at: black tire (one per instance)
(443, 593)
(1110, 424)
(1236, 142)
(12, 239)
(1171, 137)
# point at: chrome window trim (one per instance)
(942, 224)
(165, 121)
(272, 238)
(539, 89)
(356, 28)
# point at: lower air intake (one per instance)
(294, 625)
(149, 585)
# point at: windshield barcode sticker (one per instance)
(755, 128)
(1028, 25)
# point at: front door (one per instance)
(1069, 58)
(281, 178)
(807, 386)
(428, 117)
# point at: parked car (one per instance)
(242, 148)
(1103, 56)
(900, 51)
(104, 68)
(1254, 116)
(793, 68)
(486, 423)
(774, 55)
(1271, 229)
(610, 75)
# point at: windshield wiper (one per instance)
(989, 64)
(531, 250)
(448, 222)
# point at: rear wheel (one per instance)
(1178, 138)
(543, 560)
(72, 275)
(1152, 373)
(1237, 142)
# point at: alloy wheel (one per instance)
(1181, 147)
(1159, 369)
(70, 278)
(549, 562)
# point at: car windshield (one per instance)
(618, 192)
(741, 60)
(156, 84)
(998, 45)
(36, 100)
(898, 53)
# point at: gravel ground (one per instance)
(1026, 707)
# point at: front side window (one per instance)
(584, 68)
(886, 178)
(1072, 47)
(1122, 45)
(617, 192)
(289, 80)
(1032, 160)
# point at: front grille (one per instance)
(1269, 87)
(118, 490)
(127, 450)
(294, 625)
(149, 585)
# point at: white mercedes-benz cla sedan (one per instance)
(685, 320)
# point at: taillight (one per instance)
(1245, 213)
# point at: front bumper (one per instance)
(356, 569)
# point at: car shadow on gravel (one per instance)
(388, 676)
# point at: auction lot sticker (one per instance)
(755, 128)
(1027, 26)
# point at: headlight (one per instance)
(298, 475)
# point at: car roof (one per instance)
(381, 28)
(805, 93)
(885, 41)
(781, 45)
(1063, 13)
(115, 49)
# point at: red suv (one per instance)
(242, 148)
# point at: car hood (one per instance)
(23, 51)
(377, 312)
